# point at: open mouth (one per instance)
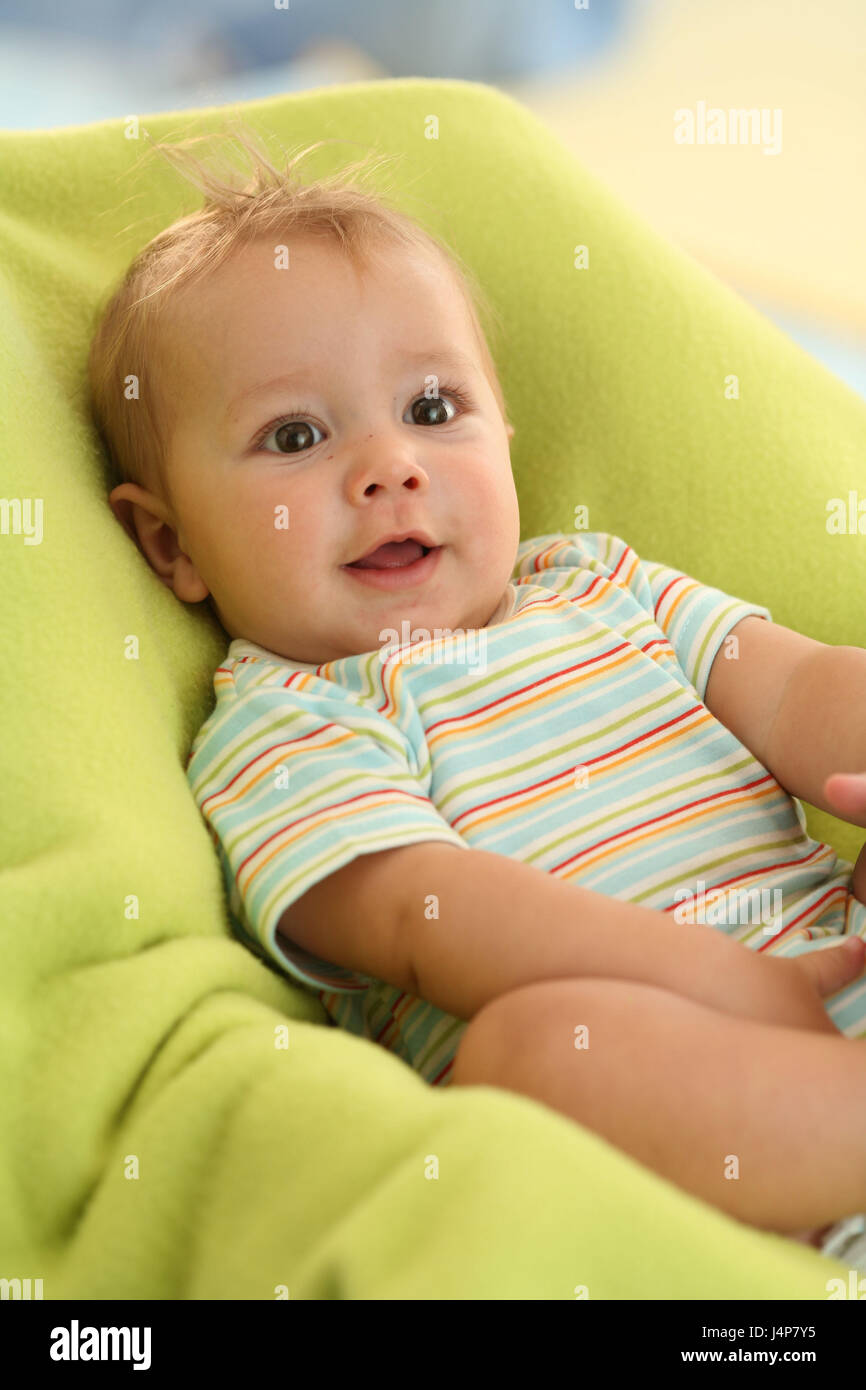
(393, 555)
(396, 565)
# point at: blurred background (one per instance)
(785, 230)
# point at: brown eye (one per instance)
(430, 410)
(292, 436)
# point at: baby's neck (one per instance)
(501, 608)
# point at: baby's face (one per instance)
(303, 439)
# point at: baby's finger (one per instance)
(858, 877)
(846, 794)
(833, 967)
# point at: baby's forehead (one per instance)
(211, 313)
(252, 279)
(199, 311)
(394, 265)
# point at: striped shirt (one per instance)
(571, 734)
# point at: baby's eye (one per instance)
(293, 434)
(430, 406)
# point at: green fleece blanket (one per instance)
(177, 1121)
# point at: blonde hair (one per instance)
(126, 339)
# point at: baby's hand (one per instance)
(785, 990)
(827, 971)
(846, 796)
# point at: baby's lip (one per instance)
(395, 536)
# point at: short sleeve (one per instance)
(293, 785)
(694, 617)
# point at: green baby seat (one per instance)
(178, 1123)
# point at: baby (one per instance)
(481, 796)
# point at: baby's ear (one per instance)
(121, 500)
(509, 430)
(146, 519)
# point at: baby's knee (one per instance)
(539, 1019)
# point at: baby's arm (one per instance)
(462, 927)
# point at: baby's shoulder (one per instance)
(569, 550)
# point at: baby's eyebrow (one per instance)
(443, 357)
(446, 357)
(278, 382)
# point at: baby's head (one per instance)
(312, 379)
